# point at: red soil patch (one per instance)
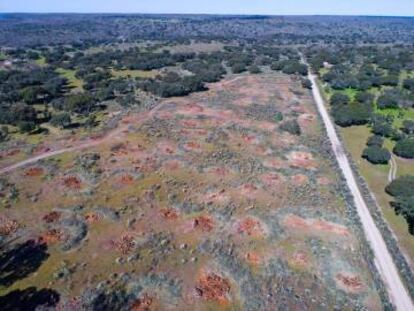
(11, 152)
(253, 258)
(92, 217)
(125, 244)
(72, 182)
(300, 259)
(34, 171)
(299, 180)
(191, 109)
(306, 119)
(266, 126)
(172, 165)
(324, 181)
(126, 179)
(219, 171)
(274, 163)
(250, 139)
(298, 108)
(194, 132)
(142, 304)
(147, 164)
(349, 282)
(203, 223)
(330, 227)
(119, 149)
(190, 123)
(51, 217)
(51, 236)
(249, 190)
(169, 213)
(312, 225)
(251, 227)
(302, 160)
(272, 180)
(218, 197)
(192, 146)
(166, 148)
(262, 150)
(8, 226)
(212, 287)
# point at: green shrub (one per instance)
(376, 155)
(405, 148)
(291, 126)
(61, 120)
(401, 187)
(339, 99)
(278, 116)
(375, 140)
(353, 114)
(254, 69)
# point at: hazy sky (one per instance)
(275, 7)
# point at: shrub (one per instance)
(376, 155)
(353, 114)
(364, 97)
(61, 120)
(401, 187)
(26, 126)
(375, 140)
(254, 69)
(382, 129)
(405, 206)
(339, 99)
(405, 148)
(306, 83)
(291, 127)
(409, 84)
(278, 116)
(408, 127)
(4, 133)
(387, 101)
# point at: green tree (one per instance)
(405, 148)
(61, 120)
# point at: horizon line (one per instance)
(211, 14)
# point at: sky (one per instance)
(268, 7)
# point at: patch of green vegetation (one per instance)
(376, 176)
(134, 73)
(70, 75)
(41, 61)
(2, 56)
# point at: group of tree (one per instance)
(402, 191)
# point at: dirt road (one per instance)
(392, 174)
(383, 260)
(112, 135)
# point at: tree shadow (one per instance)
(21, 260)
(29, 299)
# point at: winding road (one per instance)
(397, 292)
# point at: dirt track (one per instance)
(383, 260)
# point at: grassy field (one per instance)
(134, 73)
(74, 82)
(41, 61)
(377, 178)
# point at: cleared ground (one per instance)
(200, 204)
